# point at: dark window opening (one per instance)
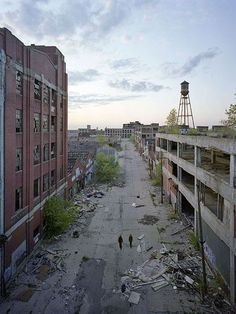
(46, 94)
(36, 188)
(18, 199)
(36, 154)
(37, 89)
(53, 123)
(46, 152)
(19, 82)
(53, 177)
(45, 123)
(53, 150)
(36, 123)
(19, 163)
(19, 121)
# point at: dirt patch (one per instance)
(148, 220)
(42, 272)
(24, 295)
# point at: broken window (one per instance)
(36, 123)
(19, 121)
(53, 150)
(53, 177)
(19, 162)
(53, 123)
(54, 101)
(46, 152)
(45, 123)
(36, 154)
(46, 94)
(45, 182)
(19, 82)
(37, 89)
(18, 199)
(36, 187)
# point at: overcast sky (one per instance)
(126, 58)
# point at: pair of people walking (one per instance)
(120, 241)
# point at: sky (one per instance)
(126, 58)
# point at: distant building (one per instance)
(33, 142)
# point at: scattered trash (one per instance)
(134, 297)
(76, 234)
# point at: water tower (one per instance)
(185, 115)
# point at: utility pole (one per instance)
(204, 290)
(161, 178)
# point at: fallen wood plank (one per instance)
(179, 231)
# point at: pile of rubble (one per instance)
(181, 272)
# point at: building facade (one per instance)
(204, 167)
(33, 140)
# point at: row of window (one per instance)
(37, 122)
(40, 90)
(36, 189)
(36, 155)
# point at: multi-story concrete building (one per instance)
(208, 165)
(144, 136)
(33, 142)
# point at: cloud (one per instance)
(87, 19)
(136, 86)
(172, 69)
(96, 99)
(123, 63)
(85, 76)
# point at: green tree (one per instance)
(231, 116)
(58, 214)
(171, 119)
(101, 139)
(106, 168)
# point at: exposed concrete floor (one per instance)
(93, 286)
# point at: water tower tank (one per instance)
(184, 88)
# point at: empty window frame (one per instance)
(37, 89)
(19, 82)
(46, 95)
(19, 121)
(45, 123)
(36, 123)
(19, 161)
(18, 199)
(53, 177)
(54, 100)
(46, 152)
(53, 150)
(36, 154)
(36, 187)
(45, 182)
(53, 123)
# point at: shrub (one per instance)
(58, 214)
(106, 168)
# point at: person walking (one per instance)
(130, 240)
(120, 241)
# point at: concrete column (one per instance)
(232, 170)
(197, 156)
(178, 149)
(213, 156)
(168, 145)
(232, 277)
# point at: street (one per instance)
(95, 264)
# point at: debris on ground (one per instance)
(148, 220)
